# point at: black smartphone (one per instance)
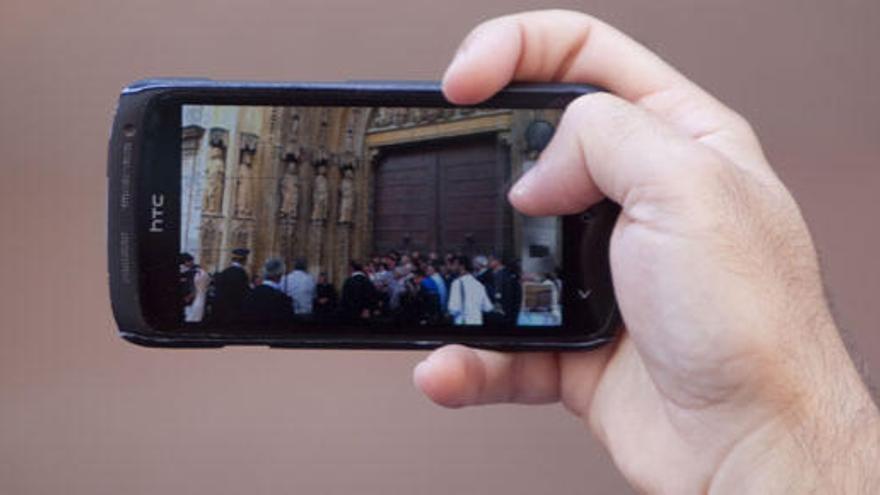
(345, 215)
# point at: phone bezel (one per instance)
(146, 130)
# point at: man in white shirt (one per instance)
(468, 299)
(300, 286)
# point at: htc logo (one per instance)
(157, 213)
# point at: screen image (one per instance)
(394, 216)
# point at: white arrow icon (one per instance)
(584, 294)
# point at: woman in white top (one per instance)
(196, 310)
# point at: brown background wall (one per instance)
(81, 412)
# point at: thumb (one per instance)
(608, 147)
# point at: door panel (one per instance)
(404, 201)
(447, 196)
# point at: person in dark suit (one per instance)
(423, 298)
(325, 299)
(483, 274)
(231, 287)
(506, 292)
(267, 304)
(359, 296)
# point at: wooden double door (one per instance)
(444, 196)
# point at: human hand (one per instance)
(730, 375)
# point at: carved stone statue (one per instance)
(346, 196)
(243, 198)
(294, 127)
(348, 158)
(382, 118)
(214, 175)
(289, 192)
(244, 202)
(398, 116)
(320, 195)
(293, 150)
(430, 114)
(349, 140)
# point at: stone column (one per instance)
(345, 221)
(211, 228)
(191, 184)
(289, 202)
(320, 209)
(243, 223)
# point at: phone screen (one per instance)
(393, 216)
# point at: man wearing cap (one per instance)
(232, 285)
(267, 303)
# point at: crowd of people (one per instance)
(394, 288)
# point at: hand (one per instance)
(730, 375)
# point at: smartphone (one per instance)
(360, 214)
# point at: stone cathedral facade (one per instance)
(331, 184)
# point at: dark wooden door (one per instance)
(405, 201)
(445, 196)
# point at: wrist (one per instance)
(827, 443)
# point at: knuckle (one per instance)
(603, 112)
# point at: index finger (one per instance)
(567, 46)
